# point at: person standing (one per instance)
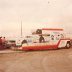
(41, 39)
(0, 40)
(1, 45)
(4, 41)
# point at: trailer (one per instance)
(46, 38)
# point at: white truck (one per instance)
(46, 38)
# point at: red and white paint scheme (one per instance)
(46, 38)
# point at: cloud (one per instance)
(34, 14)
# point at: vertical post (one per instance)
(21, 28)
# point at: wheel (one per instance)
(24, 41)
(39, 31)
(68, 45)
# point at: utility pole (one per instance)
(21, 29)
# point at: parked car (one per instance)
(10, 43)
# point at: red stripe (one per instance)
(52, 29)
(65, 39)
(43, 47)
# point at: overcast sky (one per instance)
(34, 14)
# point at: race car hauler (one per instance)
(46, 38)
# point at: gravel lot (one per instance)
(37, 61)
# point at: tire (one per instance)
(24, 41)
(68, 45)
(39, 31)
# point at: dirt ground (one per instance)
(37, 61)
